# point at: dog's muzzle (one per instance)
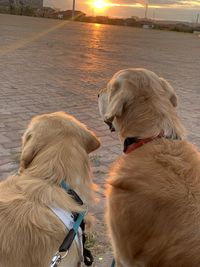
(111, 127)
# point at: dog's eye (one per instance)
(98, 95)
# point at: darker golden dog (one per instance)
(55, 148)
(153, 196)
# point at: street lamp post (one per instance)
(73, 9)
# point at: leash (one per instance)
(79, 222)
(113, 263)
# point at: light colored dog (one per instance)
(55, 148)
(153, 196)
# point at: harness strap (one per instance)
(71, 234)
(77, 227)
(67, 219)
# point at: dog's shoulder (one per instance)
(160, 169)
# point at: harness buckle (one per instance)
(57, 258)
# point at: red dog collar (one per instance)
(132, 143)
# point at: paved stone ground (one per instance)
(48, 65)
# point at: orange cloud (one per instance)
(185, 4)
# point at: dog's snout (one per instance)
(111, 127)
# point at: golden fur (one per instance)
(153, 195)
(55, 147)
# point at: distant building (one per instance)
(30, 3)
(48, 12)
(67, 14)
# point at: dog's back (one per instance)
(154, 206)
(30, 233)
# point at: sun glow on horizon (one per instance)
(185, 4)
(176, 10)
(99, 4)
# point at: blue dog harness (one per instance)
(75, 224)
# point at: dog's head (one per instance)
(49, 130)
(136, 97)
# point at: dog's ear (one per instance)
(117, 99)
(170, 92)
(28, 150)
(90, 141)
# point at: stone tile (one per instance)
(12, 144)
(4, 160)
(3, 138)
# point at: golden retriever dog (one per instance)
(55, 148)
(153, 195)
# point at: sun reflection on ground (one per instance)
(97, 37)
(97, 25)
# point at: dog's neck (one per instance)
(132, 143)
(149, 126)
(49, 192)
(55, 164)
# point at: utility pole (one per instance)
(197, 21)
(73, 9)
(153, 15)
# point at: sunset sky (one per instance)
(185, 10)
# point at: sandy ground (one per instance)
(48, 65)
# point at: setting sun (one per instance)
(99, 4)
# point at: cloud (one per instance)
(163, 3)
(170, 2)
(175, 14)
(129, 2)
(125, 3)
